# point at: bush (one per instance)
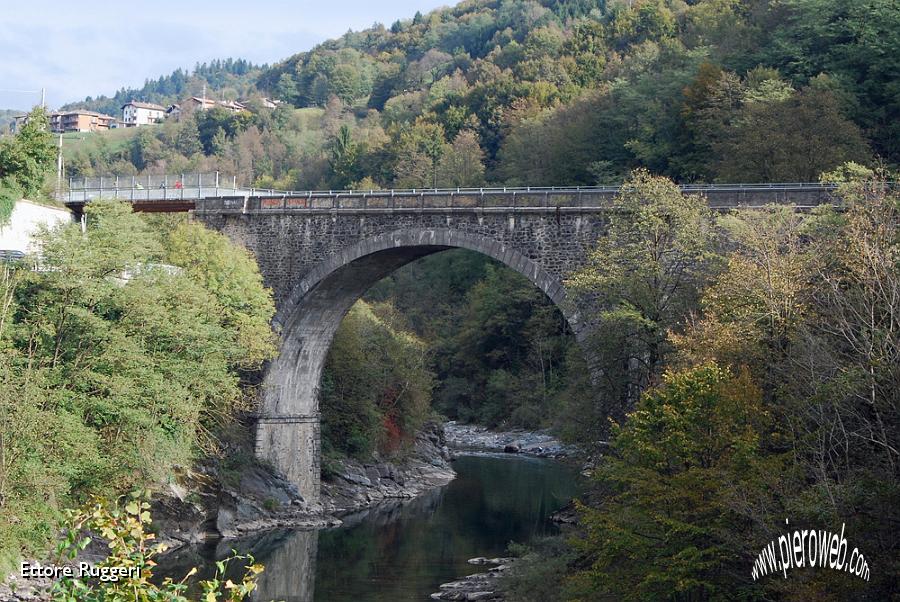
(123, 529)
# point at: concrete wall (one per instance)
(26, 218)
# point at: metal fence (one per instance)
(216, 186)
(167, 187)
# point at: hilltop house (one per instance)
(136, 113)
(197, 103)
(79, 121)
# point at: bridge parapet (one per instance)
(517, 199)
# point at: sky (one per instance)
(94, 47)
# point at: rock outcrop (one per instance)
(354, 485)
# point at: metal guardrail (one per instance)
(191, 187)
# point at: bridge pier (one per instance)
(291, 443)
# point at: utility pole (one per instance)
(43, 98)
(59, 170)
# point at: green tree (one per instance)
(669, 525)
(647, 271)
(376, 386)
(119, 360)
(188, 140)
(27, 157)
(344, 159)
(791, 140)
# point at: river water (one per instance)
(404, 550)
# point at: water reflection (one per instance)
(403, 550)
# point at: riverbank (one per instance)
(215, 502)
(470, 437)
(478, 586)
(224, 501)
(353, 485)
(402, 549)
(465, 439)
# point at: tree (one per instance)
(119, 360)
(376, 386)
(418, 152)
(188, 141)
(667, 526)
(286, 88)
(809, 305)
(27, 157)
(753, 309)
(463, 163)
(504, 362)
(853, 43)
(791, 140)
(646, 272)
(344, 159)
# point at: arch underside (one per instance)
(288, 427)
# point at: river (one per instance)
(403, 550)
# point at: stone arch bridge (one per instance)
(321, 252)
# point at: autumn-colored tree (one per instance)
(462, 165)
(672, 522)
(646, 272)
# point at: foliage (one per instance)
(117, 365)
(505, 362)
(646, 271)
(10, 194)
(670, 525)
(540, 570)
(376, 385)
(26, 157)
(502, 353)
(555, 93)
(123, 528)
(796, 138)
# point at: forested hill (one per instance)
(232, 78)
(606, 86)
(553, 92)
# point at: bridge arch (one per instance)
(288, 434)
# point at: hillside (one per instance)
(229, 79)
(574, 92)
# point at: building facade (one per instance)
(136, 113)
(79, 121)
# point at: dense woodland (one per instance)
(748, 362)
(544, 93)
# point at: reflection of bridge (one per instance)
(320, 251)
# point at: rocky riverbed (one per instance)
(470, 437)
(213, 504)
(354, 485)
(478, 586)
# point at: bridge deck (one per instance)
(235, 199)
